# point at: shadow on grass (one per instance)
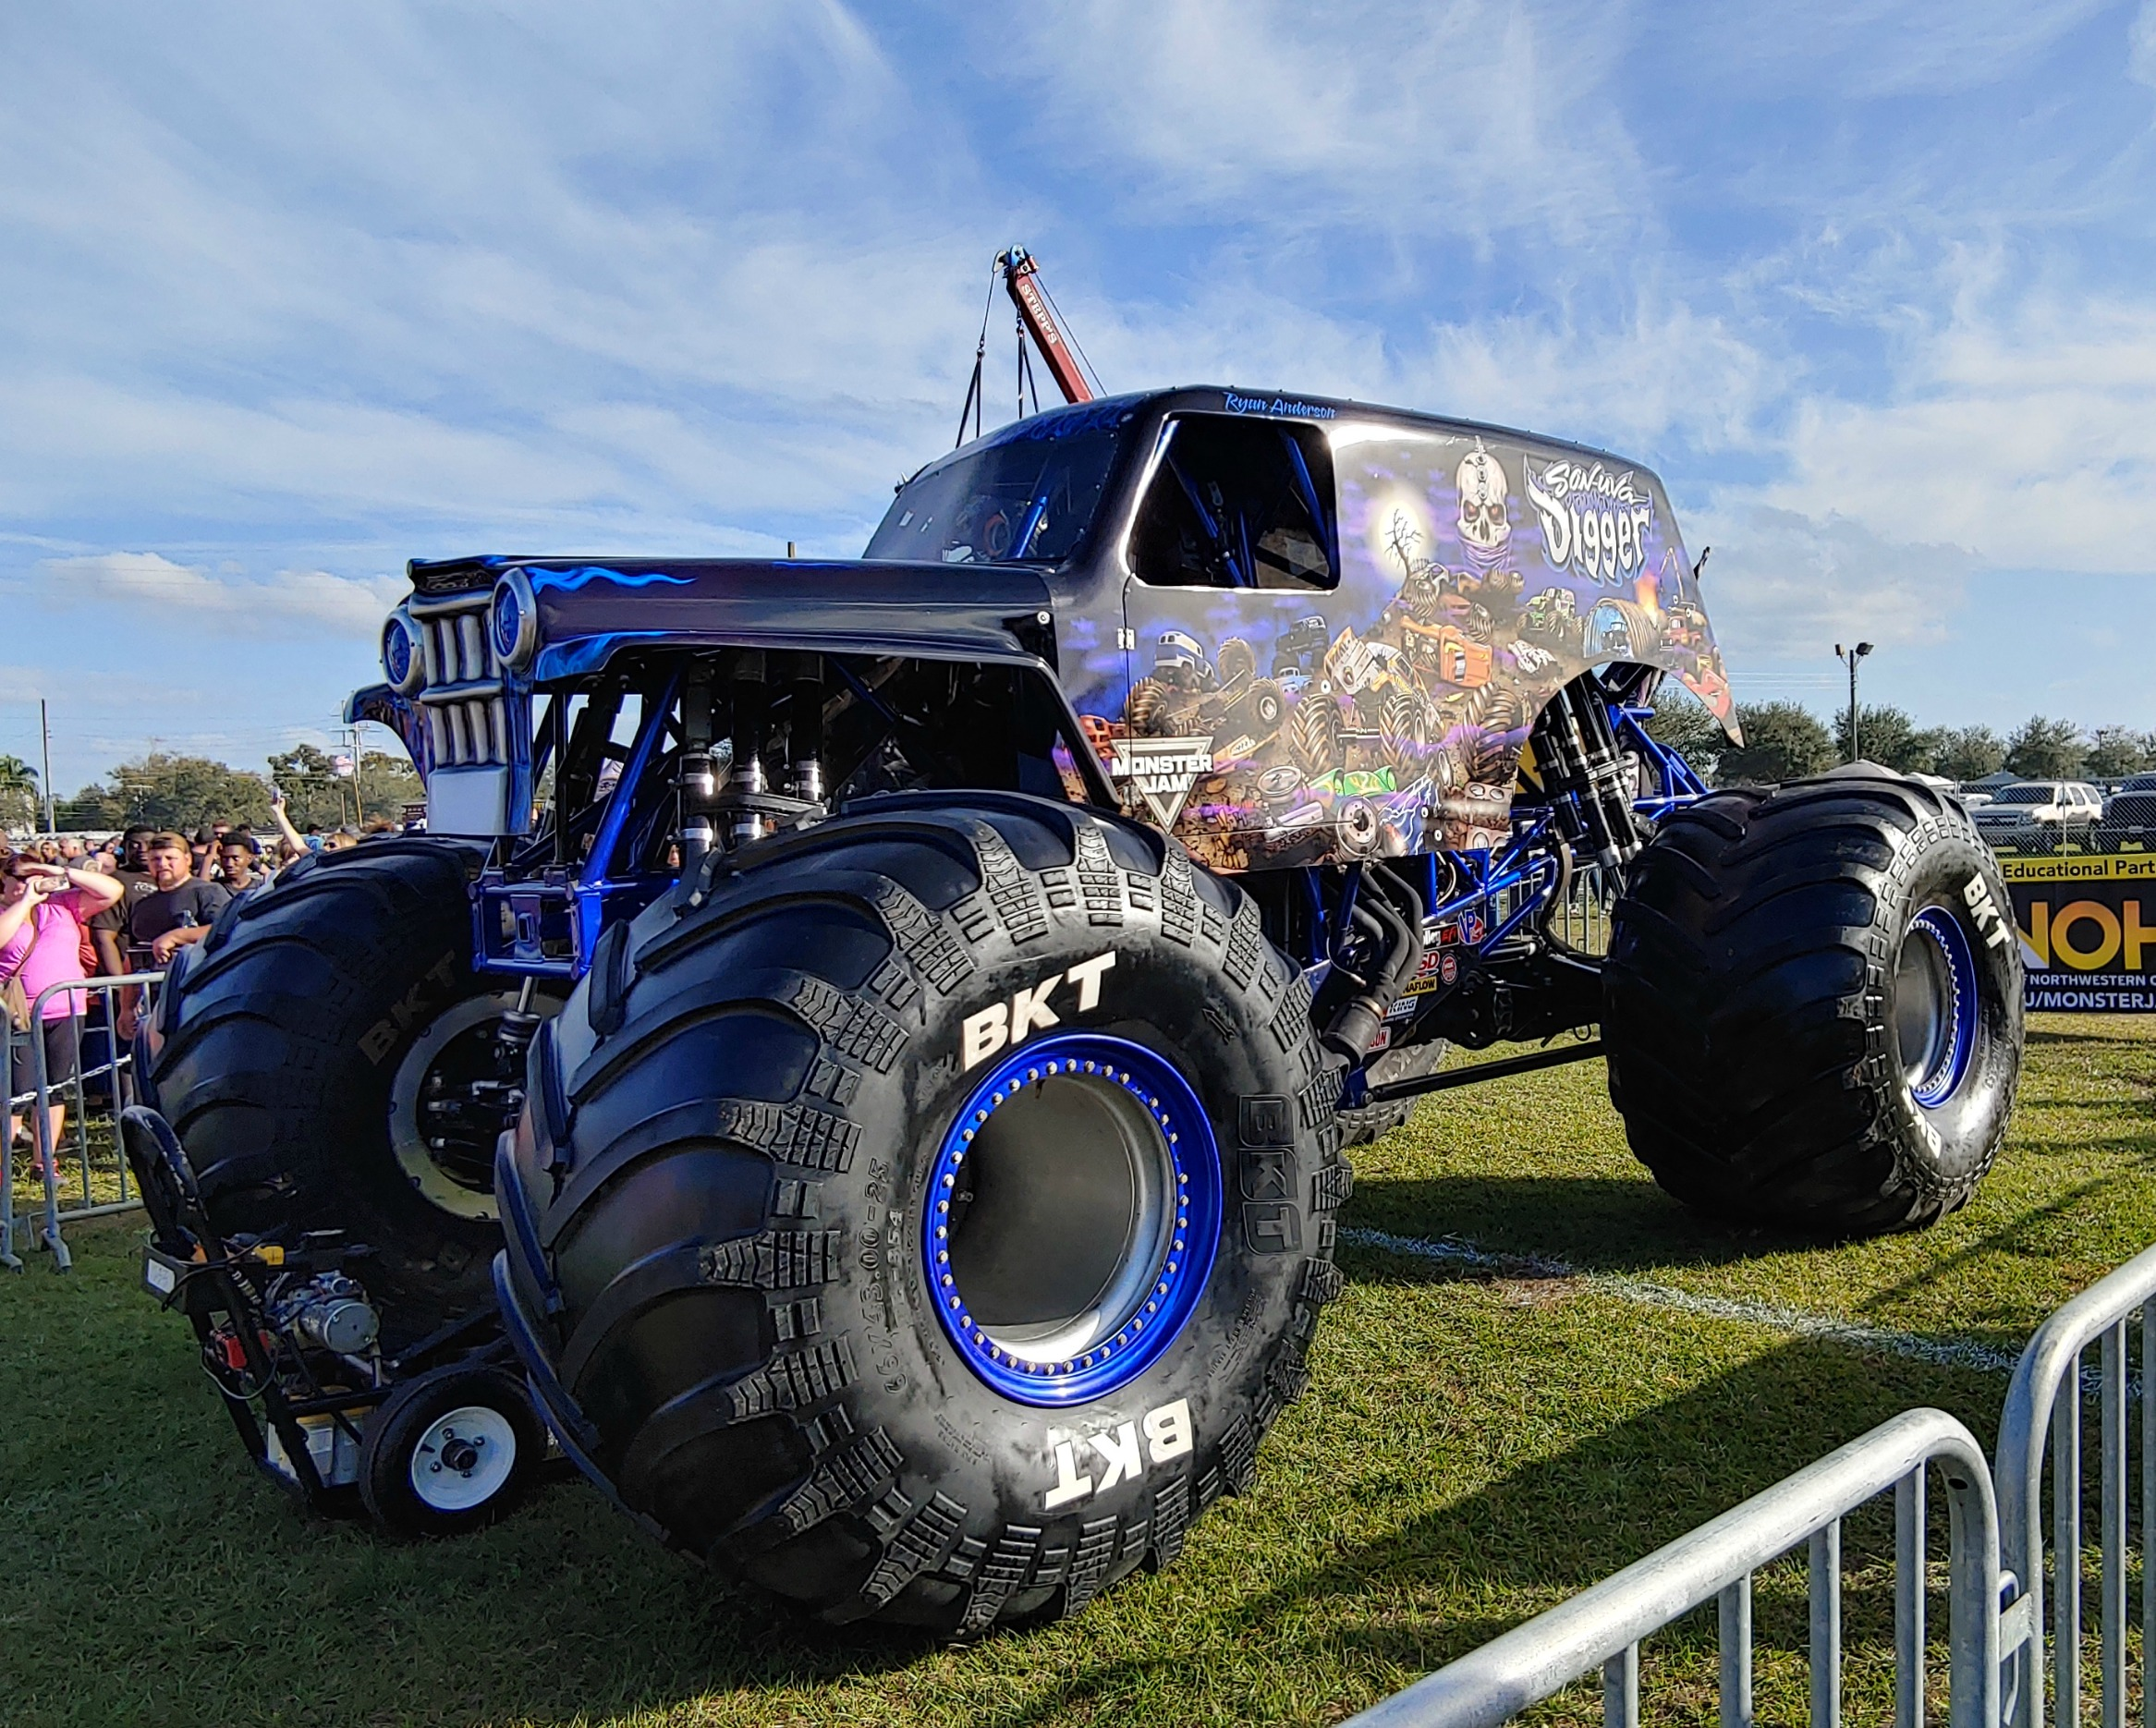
(1558, 1525)
(1599, 1223)
(183, 1589)
(2057, 1035)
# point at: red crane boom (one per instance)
(1019, 271)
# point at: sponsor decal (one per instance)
(1001, 1024)
(2087, 930)
(1985, 910)
(1087, 1465)
(408, 1012)
(1162, 770)
(1441, 961)
(1595, 518)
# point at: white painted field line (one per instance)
(1452, 1251)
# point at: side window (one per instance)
(1238, 504)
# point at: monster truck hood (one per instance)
(586, 609)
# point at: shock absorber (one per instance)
(699, 781)
(751, 703)
(1589, 780)
(805, 726)
(512, 1036)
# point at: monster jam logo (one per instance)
(1594, 519)
(1163, 771)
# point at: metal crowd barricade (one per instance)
(116, 1070)
(1581, 916)
(2038, 1420)
(1602, 1626)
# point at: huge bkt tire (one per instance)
(929, 1224)
(1813, 1003)
(293, 1053)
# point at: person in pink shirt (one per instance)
(44, 910)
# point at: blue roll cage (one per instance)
(522, 923)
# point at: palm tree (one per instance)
(19, 792)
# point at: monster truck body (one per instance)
(966, 964)
(1118, 572)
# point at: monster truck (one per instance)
(892, 1026)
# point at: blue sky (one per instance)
(291, 294)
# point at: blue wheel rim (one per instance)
(1935, 1006)
(1164, 1278)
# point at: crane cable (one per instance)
(973, 390)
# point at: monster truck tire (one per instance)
(1235, 661)
(1814, 1005)
(1313, 735)
(1404, 733)
(276, 1050)
(727, 1266)
(1366, 1123)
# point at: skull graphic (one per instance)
(1482, 486)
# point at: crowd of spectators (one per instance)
(72, 911)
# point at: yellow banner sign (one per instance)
(2087, 929)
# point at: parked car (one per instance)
(2129, 818)
(2038, 815)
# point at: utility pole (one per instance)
(45, 730)
(1850, 657)
(359, 796)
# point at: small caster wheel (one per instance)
(449, 1451)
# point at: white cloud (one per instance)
(1876, 48)
(301, 601)
(2024, 436)
(1468, 119)
(2141, 44)
(1783, 587)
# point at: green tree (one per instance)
(1681, 723)
(1782, 741)
(389, 782)
(1888, 737)
(18, 796)
(166, 791)
(317, 795)
(1970, 753)
(2046, 749)
(2117, 751)
(314, 795)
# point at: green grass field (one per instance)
(1478, 1441)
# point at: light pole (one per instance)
(1851, 656)
(46, 731)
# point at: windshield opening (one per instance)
(2028, 794)
(1026, 500)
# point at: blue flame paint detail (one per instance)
(1162, 1313)
(586, 653)
(584, 574)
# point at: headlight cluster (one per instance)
(402, 663)
(513, 621)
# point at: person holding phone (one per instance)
(44, 910)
